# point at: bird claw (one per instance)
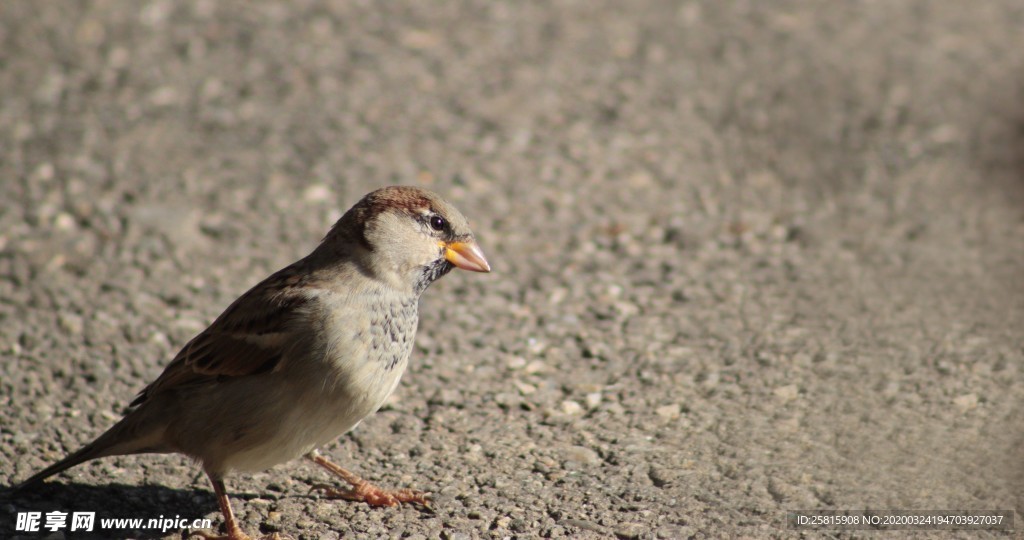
(208, 535)
(374, 496)
(235, 535)
(320, 487)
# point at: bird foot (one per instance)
(373, 495)
(236, 534)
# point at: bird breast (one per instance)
(367, 353)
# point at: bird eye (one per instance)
(438, 223)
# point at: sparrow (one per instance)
(304, 356)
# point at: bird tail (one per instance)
(89, 451)
(121, 439)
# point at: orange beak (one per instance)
(467, 256)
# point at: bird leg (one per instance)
(362, 490)
(234, 531)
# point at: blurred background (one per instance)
(749, 257)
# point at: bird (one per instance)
(303, 356)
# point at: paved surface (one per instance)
(748, 258)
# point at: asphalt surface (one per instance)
(749, 257)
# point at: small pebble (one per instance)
(629, 531)
(581, 454)
(71, 323)
(966, 402)
(572, 408)
(669, 412)
(516, 362)
(536, 366)
(787, 393)
(525, 388)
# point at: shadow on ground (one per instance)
(141, 503)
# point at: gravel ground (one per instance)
(749, 257)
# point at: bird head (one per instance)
(409, 237)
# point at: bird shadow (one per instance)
(174, 511)
(141, 511)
